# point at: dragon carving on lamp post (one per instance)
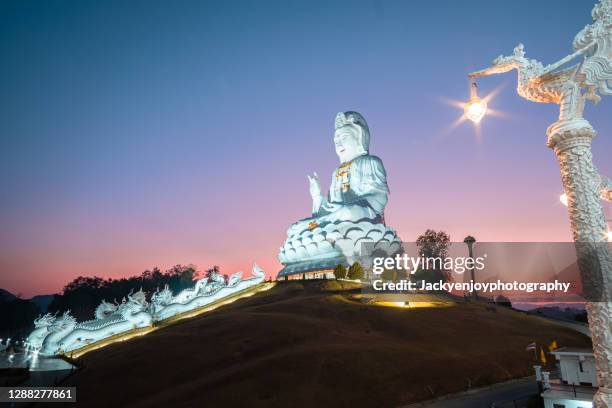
(584, 75)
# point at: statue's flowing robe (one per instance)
(358, 190)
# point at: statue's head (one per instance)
(352, 136)
(44, 321)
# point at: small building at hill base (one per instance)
(577, 379)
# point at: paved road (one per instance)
(483, 397)
(579, 327)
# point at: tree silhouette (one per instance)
(83, 294)
(355, 271)
(433, 244)
(17, 317)
(340, 271)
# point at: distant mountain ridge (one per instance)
(6, 296)
(558, 313)
(42, 301)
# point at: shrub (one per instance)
(355, 271)
(340, 271)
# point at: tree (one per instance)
(17, 317)
(433, 244)
(502, 300)
(215, 270)
(83, 282)
(355, 271)
(84, 294)
(340, 271)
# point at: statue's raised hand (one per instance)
(315, 187)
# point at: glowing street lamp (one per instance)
(475, 108)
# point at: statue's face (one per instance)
(347, 143)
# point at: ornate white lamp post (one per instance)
(570, 137)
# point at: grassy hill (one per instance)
(314, 345)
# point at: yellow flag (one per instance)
(542, 356)
(553, 346)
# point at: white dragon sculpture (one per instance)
(67, 335)
(41, 330)
(54, 334)
(206, 291)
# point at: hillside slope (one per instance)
(300, 346)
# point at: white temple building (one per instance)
(577, 382)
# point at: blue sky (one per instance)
(144, 133)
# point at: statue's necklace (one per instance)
(342, 176)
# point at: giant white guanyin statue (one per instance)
(351, 213)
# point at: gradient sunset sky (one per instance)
(137, 134)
